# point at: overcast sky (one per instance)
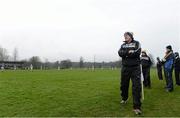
(61, 29)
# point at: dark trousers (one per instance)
(159, 71)
(169, 80)
(146, 74)
(133, 73)
(177, 73)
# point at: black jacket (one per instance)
(159, 64)
(146, 61)
(177, 63)
(130, 59)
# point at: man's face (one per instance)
(127, 38)
(168, 50)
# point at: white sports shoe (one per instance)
(137, 111)
(123, 101)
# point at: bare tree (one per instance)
(47, 63)
(15, 54)
(65, 64)
(35, 61)
(81, 62)
(3, 54)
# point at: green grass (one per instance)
(78, 93)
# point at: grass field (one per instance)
(78, 93)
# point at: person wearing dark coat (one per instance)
(146, 66)
(159, 66)
(130, 52)
(177, 68)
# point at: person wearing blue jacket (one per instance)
(168, 61)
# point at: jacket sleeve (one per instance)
(136, 52)
(122, 52)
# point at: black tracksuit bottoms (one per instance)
(133, 73)
(146, 74)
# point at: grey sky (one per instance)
(61, 29)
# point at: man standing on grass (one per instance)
(168, 61)
(146, 65)
(177, 68)
(130, 53)
(159, 68)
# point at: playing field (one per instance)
(78, 93)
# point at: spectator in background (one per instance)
(146, 65)
(177, 68)
(168, 61)
(159, 68)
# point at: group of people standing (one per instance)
(136, 62)
(170, 62)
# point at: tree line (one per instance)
(67, 64)
(63, 64)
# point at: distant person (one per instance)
(146, 66)
(177, 68)
(130, 52)
(159, 68)
(31, 67)
(15, 68)
(168, 61)
(2, 68)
